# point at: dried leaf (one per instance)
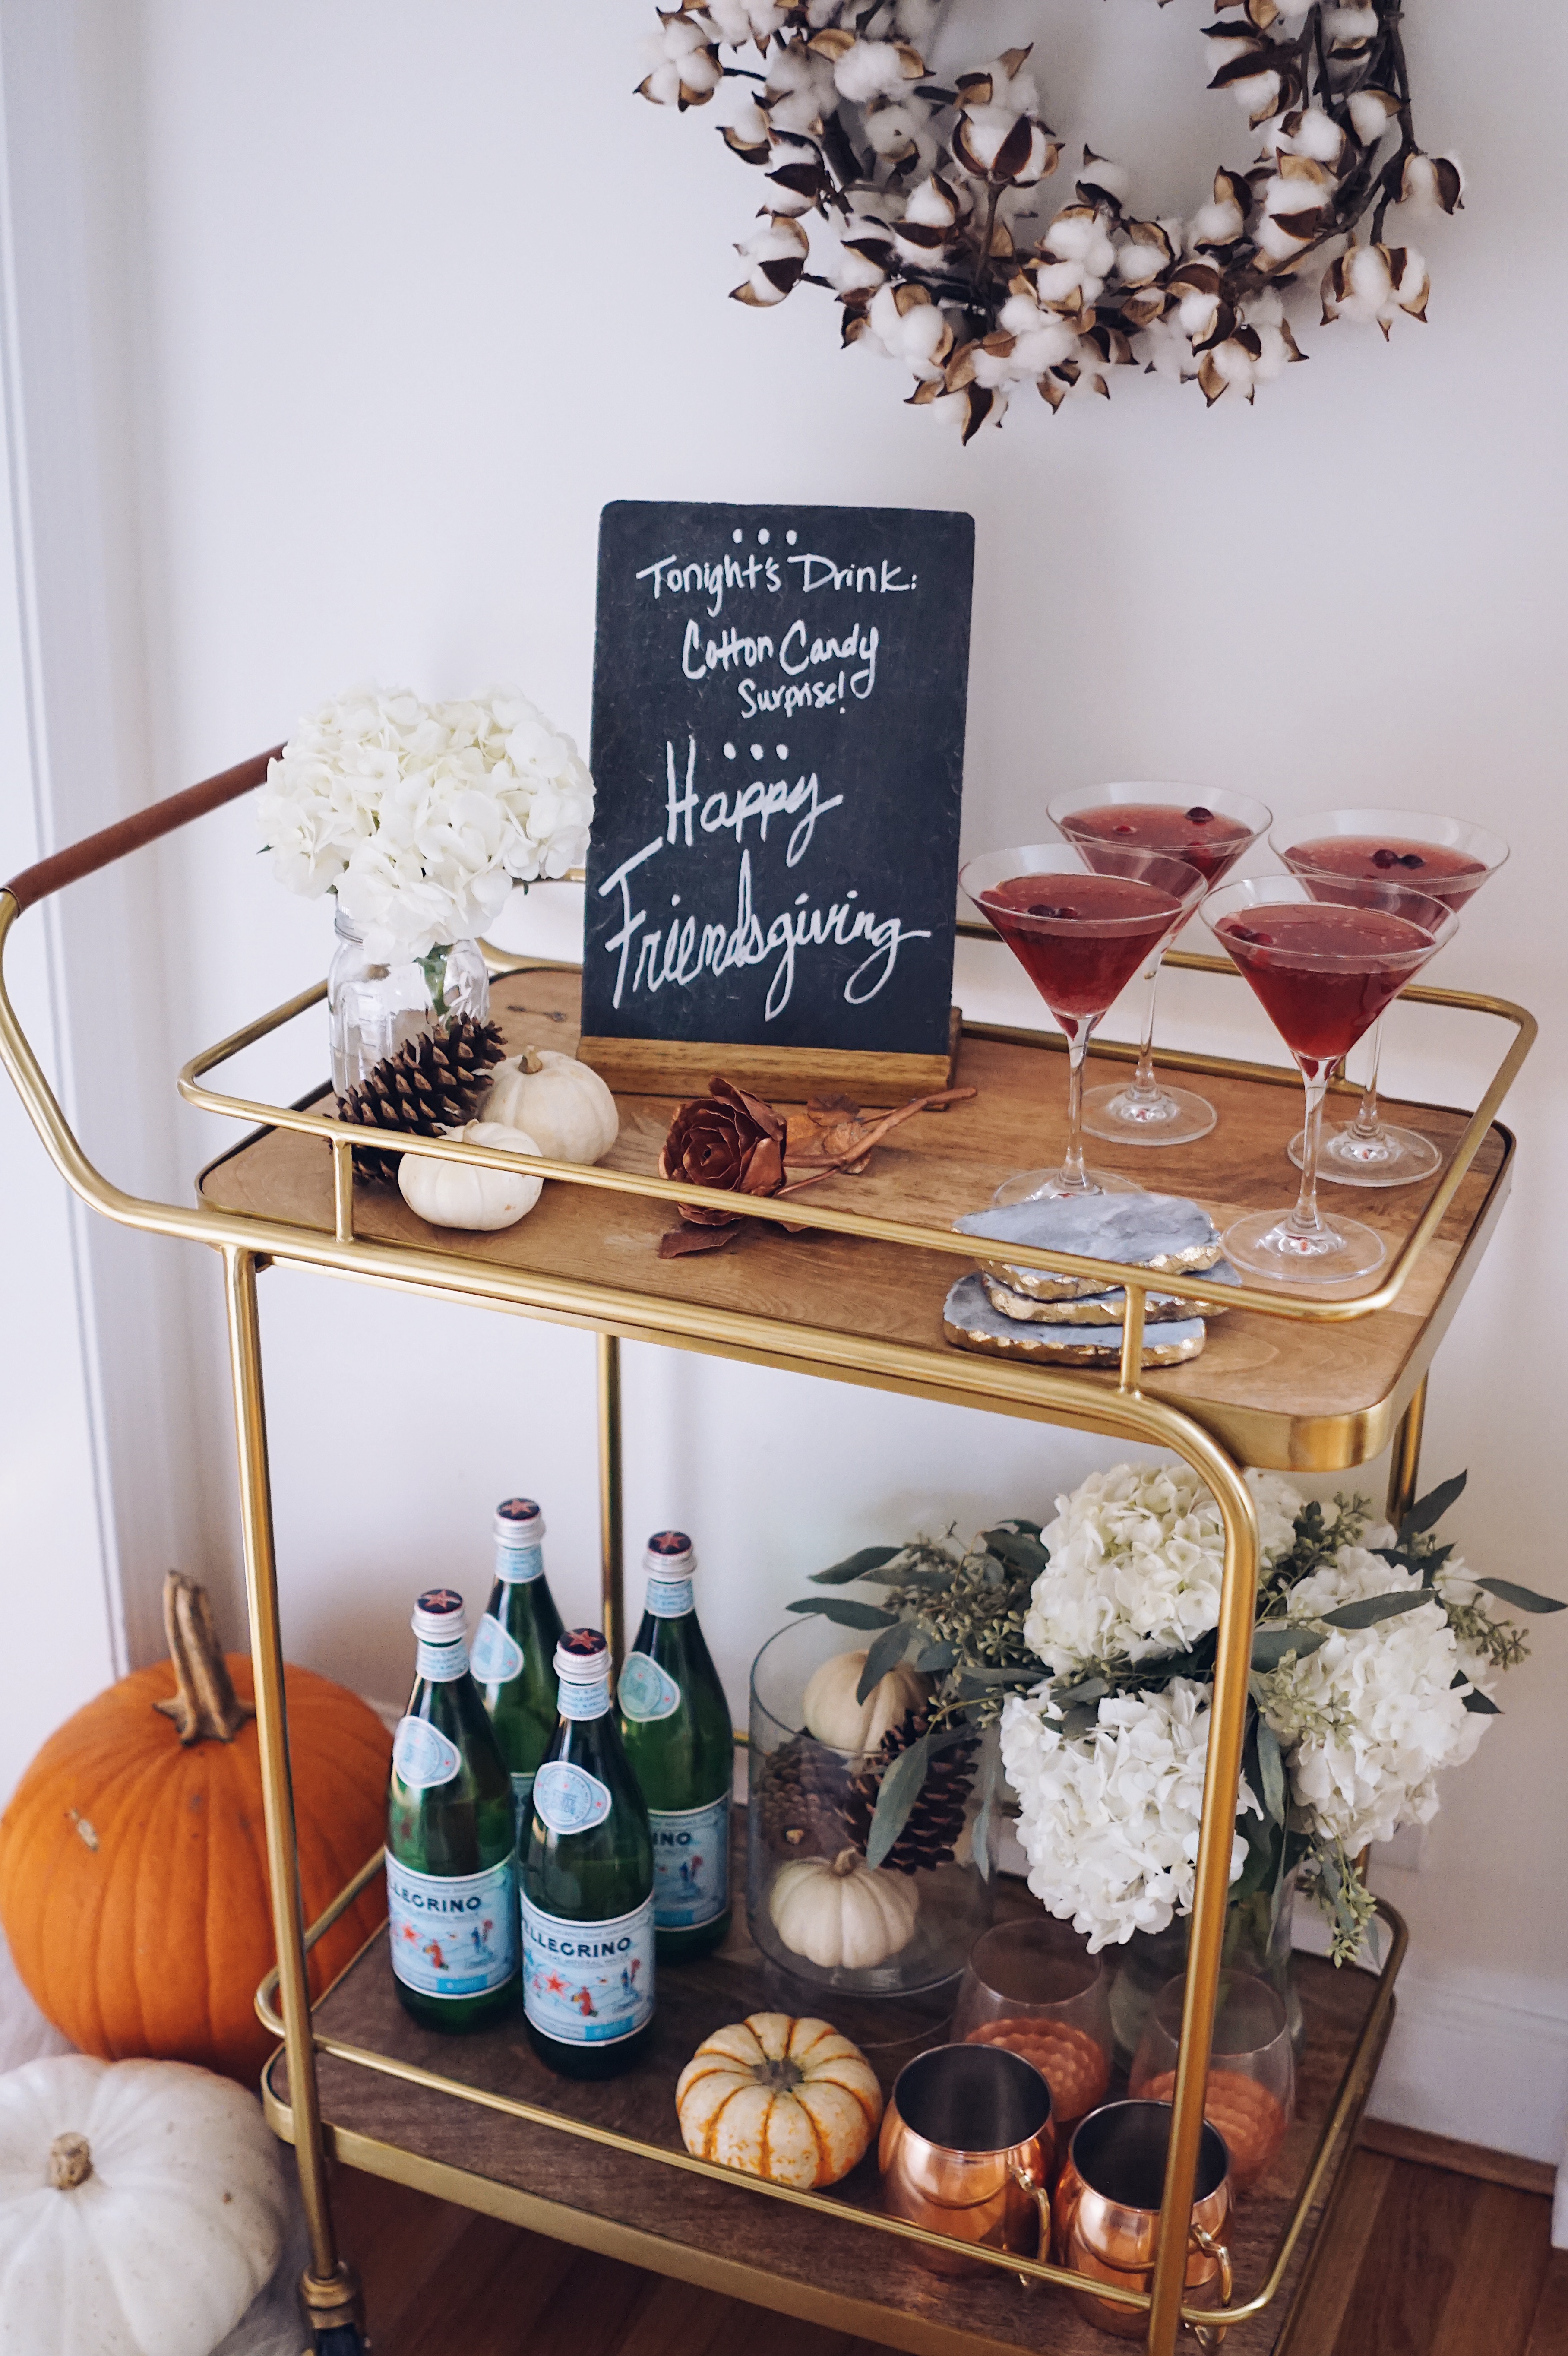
(680, 1243)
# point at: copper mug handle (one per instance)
(1206, 2334)
(1028, 2182)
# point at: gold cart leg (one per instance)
(612, 1573)
(1227, 1732)
(1404, 1463)
(330, 2288)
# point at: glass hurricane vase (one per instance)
(809, 1809)
(1257, 1940)
(373, 1008)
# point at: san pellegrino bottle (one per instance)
(513, 1653)
(675, 1722)
(451, 1876)
(588, 1883)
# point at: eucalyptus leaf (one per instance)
(1430, 1509)
(1369, 1610)
(1270, 1643)
(896, 1795)
(980, 1837)
(1018, 1551)
(1081, 1720)
(846, 1614)
(856, 1566)
(1271, 1767)
(1482, 1704)
(1523, 1598)
(1000, 1676)
(935, 1659)
(885, 1652)
(1086, 1689)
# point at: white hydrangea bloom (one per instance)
(1109, 1821)
(421, 818)
(1369, 1719)
(1137, 1556)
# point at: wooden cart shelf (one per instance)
(1308, 1396)
(447, 2138)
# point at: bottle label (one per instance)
(670, 1598)
(495, 1657)
(452, 1937)
(691, 1864)
(645, 1690)
(519, 1565)
(588, 1983)
(569, 1798)
(442, 1664)
(422, 1756)
(583, 1698)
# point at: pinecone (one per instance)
(931, 1828)
(803, 1793)
(434, 1082)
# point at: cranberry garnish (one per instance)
(1198, 815)
(1413, 859)
(1122, 829)
(1044, 908)
(1386, 858)
(1245, 933)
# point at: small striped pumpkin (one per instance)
(784, 2099)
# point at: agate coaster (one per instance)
(1165, 1234)
(970, 1322)
(1105, 1308)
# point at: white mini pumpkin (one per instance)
(563, 1103)
(784, 2099)
(842, 1913)
(836, 1717)
(460, 1194)
(141, 2208)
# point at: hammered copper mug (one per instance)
(966, 2149)
(1107, 2214)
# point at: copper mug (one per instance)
(1107, 2214)
(966, 2149)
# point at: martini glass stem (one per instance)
(1072, 1160)
(1366, 1124)
(1145, 1086)
(1305, 1219)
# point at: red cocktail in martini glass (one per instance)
(1210, 829)
(1324, 969)
(1081, 926)
(1440, 856)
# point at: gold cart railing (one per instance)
(1119, 1410)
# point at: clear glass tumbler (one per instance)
(1034, 1988)
(1250, 2094)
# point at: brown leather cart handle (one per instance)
(113, 842)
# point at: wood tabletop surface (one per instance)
(1308, 1396)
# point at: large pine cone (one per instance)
(803, 1789)
(934, 1823)
(434, 1082)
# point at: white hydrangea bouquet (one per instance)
(421, 817)
(1092, 1640)
(1373, 1663)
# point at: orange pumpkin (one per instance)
(132, 1858)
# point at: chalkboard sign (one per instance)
(778, 756)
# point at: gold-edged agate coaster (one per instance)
(1105, 1308)
(1165, 1234)
(970, 1322)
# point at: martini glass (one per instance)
(1440, 856)
(1081, 928)
(1324, 969)
(1210, 830)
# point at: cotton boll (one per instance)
(1101, 173)
(1431, 184)
(1078, 235)
(911, 330)
(1413, 286)
(916, 21)
(1257, 95)
(871, 70)
(1137, 263)
(1350, 24)
(1371, 112)
(1216, 224)
(1198, 314)
(1318, 136)
(799, 86)
(1041, 346)
(1282, 244)
(900, 130)
(683, 68)
(777, 254)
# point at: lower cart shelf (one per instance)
(408, 2104)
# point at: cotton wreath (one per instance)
(422, 817)
(918, 196)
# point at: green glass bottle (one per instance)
(452, 1879)
(513, 1653)
(588, 1883)
(675, 1722)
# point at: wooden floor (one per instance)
(1434, 2263)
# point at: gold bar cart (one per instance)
(1287, 1382)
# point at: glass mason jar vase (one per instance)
(372, 1008)
(882, 1933)
(1257, 1939)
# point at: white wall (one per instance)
(407, 293)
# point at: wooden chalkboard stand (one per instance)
(683, 1067)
